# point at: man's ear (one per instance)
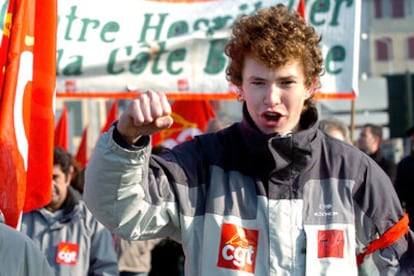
(379, 140)
(240, 94)
(310, 92)
(70, 174)
(316, 84)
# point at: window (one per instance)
(409, 9)
(410, 47)
(384, 49)
(397, 8)
(378, 9)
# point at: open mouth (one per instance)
(271, 116)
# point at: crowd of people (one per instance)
(279, 193)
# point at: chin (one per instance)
(270, 131)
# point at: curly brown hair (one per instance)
(274, 36)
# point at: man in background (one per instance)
(404, 181)
(335, 128)
(74, 242)
(369, 141)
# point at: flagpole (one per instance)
(352, 125)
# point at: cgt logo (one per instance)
(331, 243)
(238, 248)
(67, 253)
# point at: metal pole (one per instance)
(409, 97)
(352, 124)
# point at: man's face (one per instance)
(411, 138)
(274, 97)
(336, 133)
(60, 183)
(367, 142)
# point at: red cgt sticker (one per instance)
(238, 248)
(331, 244)
(67, 253)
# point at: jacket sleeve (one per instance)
(20, 256)
(379, 210)
(125, 195)
(103, 259)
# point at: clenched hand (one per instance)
(148, 114)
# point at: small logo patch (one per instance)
(67, 253)
(238, 248)
(331, 244)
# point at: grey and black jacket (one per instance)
(74, 242)
(245, 203)
(19, 256)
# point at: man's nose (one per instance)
(273, 96)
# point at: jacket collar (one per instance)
(290, 153)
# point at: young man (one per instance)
(271, 195)
(74, 242)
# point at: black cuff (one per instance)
(142, 142)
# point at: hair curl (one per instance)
(274, 36)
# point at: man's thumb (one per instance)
(164, 122)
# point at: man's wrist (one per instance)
(121, 141)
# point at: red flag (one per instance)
(5, 40)
(190, 119)
(61, 130)
(111, 117)
(301, 8)
(82, 155)
(26, 104)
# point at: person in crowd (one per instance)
(270, 195)
(215, 124)
(335, 128)
(19, 256)
(167, 259)
(77, 177)
(404, 181)
(74, 242)
(134, 257)
(370, 141)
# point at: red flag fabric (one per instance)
(190, 119)
(111, 117)
(61, 131)
(301, 8)
(82, 155)
(4, 48)
(26, 104)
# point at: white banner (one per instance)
(172, 46)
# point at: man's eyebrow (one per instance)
(253, 77)
(287, 77)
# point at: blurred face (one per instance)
(274, 97)
(60, 183)
(411, 138)
(336, 134)
(367, 142)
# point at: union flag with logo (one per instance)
(190, 119)
(27, 83)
